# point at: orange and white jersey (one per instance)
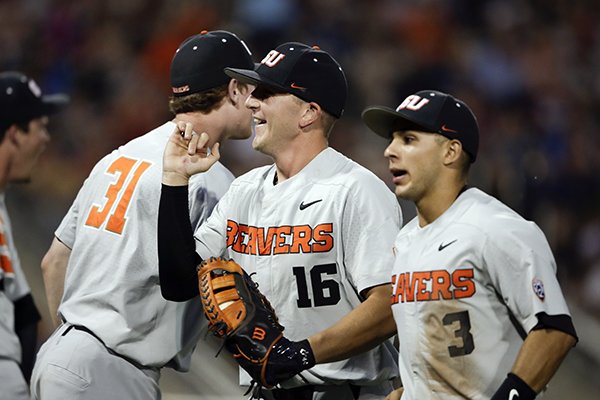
(112, 285)
(15, 287)
(313, 243)
(466, 288)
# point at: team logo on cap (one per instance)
(181, 89)
(412, 102)
(538, 288)
(272, 58)
(35, 89)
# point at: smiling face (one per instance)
(276, 117)
(415, 160)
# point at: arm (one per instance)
(395, 395)
(185, 155)
(363, 328)
(54, 268)
(541, 355)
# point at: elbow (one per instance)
(48, 265)
(177, 293)
(171, 295)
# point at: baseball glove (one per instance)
(238, 312)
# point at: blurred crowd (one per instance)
(529, 69)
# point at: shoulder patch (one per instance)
(538, 288)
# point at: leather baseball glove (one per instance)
(239, 313)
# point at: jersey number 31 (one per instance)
(123, 166)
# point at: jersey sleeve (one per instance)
(370, 224)
(523, 271)
(68, 226)
(66, 231)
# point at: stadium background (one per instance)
(529, 69)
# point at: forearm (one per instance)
(362, 329)
(177, 258)
(541, 355)
(54, 268)
(54, 281)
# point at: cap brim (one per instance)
(252, 77)
(384, 121)
(54, 103)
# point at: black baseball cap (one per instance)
(428, 111)
(199, 61)
(21, 99)
(304, 71)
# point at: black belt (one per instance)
(83, 329)
(306, 392)
(111, 351)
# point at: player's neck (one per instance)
(431, 206)
(297, 155)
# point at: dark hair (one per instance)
(204, 102)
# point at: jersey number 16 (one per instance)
(326, 292)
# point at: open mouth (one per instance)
(259, 121)
(398, 173)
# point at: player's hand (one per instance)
(187, 153)
(395, 395)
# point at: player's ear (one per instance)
(13, 135)
(311, 113)
(453, 151)
(236, 92)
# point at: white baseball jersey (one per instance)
(457, 283)
(15, 287)
(112, 285)
(314, 242)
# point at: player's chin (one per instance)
(403, 191)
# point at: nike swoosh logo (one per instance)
(446, 129)
(294, 86)
(303, 205)
(443, 246)
(512, 394)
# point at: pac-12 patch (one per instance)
(538, 288)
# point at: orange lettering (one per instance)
(323, 240)
(264, 246)
(232, 231)
(301, 239)
(421, 287)
(6, 264)
(440, 285)
(280, 246)
(259, 333)
(252, 233)
(463, 283)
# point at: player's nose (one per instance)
(252, 103)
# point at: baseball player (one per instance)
(316, 229)
(478, 310)
(101, 271)
(24, 115)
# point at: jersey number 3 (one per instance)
(122, 166)
(463, 332)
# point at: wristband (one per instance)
(514, 388)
